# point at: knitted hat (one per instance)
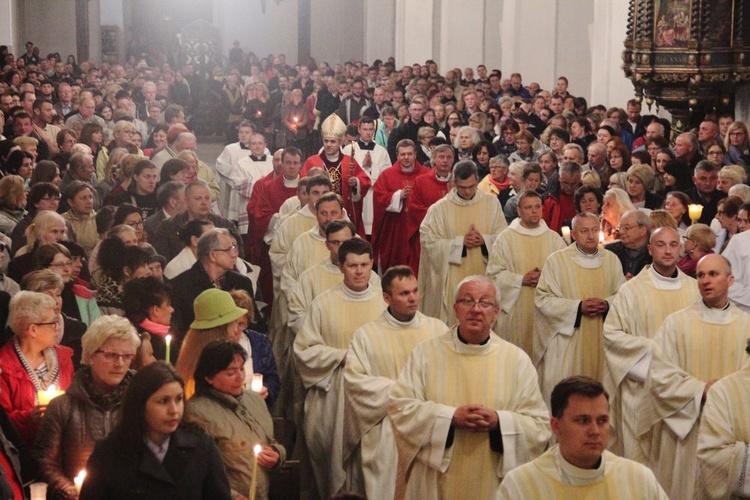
(333, 127)
(214, 307)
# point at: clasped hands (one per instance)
(475, 418)
(473, 238)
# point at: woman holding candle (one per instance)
(260, 359)
(84, 415)
(676, 203)
(294, 122)
(616, 203)
(237, 419)
(151, 453)
(148, 307)
(32, 361)
(216, 318)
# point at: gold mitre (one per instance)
(333, 127)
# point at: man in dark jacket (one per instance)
(217, 256)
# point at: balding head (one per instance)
(714, 274)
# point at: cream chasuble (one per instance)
(442, 374)
(552, 477)
(376, 355)
(560, 348)
(441, 264)
(288, 208)
(313, 282)
(723, 451)
(320, 349)
(517, 251)
(693, 346)
(637, 311)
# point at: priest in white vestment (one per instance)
(637, 311)
(580, 466)
(694, 348)
(466, 408)
(374, 160)
(572, 297)
(320, 349)
(515, 264)
(456, 235)
(376, 355)
(724, 437)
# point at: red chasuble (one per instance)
(265, 201)
(340, 172)
(427, 190)
(390, 230)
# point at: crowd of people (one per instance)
(445, 283)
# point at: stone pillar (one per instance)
(414, 29)
(380, 26)
(461, 34)
(9, 26)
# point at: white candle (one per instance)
(51, 393)
(256, 384)
(38, 491)
(566, 234)
(78, 480)
(254, 479)
(168, 341)
(601, 240)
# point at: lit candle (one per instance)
(566, 235)
(695, 211)
(601, 240)
(296, 119)
(258, 113)
(78, 480)
(256, 384)
(168, 341)
(51, 393)
(254, 477)
(38, 491)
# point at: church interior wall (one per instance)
(337, 30)
(50, 25)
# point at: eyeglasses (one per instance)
(56, 323)
(112, 356)
(737, 134)
(60, 265)
(627, 228)
(232, 248)
(470, 303)
(716, 153)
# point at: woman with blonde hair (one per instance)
(591, 178)
(84, 415)
(730, 175)
(124, 135)
(111, 172)
(661, 218)
(12, 202)
(700, 241)
(737, 143)
(216, 318)
(199, 170)
(616, 202)
(47, 227)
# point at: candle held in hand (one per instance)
(168, 342)
(256, 384)
(566, 235)
(254, 478)
(78, 480)
(48, 395)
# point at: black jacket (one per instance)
(192, 469)
(188, 285)
(167, 240)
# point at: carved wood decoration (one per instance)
(686, 55)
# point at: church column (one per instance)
(461, 27)
(9, 26)
(380, 26)
(413, 34)
(609, 85)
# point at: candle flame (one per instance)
(256, 449)
(81, 475)
(601, 236)
(168, 339)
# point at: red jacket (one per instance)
(17, 393)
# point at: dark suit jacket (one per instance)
(188, 285)
(153, 222)
(192, 469)
(168, 243)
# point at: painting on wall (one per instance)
(672, 23)
(111, 44)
